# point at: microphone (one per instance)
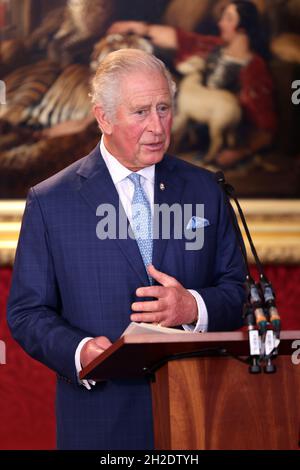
(252, 308)
(261, 307)
(272, 340)
(253, 334)
(257, 305)
(270, 304)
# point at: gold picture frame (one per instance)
(274, 225)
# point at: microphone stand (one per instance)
(260, 310)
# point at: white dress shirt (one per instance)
(125, 189)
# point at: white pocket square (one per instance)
(197, 222)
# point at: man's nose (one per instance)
(155, 124)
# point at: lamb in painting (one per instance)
(218, 109)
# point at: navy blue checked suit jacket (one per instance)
(68, 284)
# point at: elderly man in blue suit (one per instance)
(74, 290)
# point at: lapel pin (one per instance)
(162, 187)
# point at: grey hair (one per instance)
(115, 66)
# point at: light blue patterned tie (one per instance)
(142, 220)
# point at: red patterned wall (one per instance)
(27, 387)
(26, 391)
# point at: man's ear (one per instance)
(105, 123)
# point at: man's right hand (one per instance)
(93, 348)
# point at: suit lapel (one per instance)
(168, 190)
(97, 188)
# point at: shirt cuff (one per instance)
(202, 322)
(86, 383)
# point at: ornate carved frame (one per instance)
(274, 225)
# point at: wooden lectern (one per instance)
(207, 399)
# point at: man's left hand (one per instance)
(174, 305)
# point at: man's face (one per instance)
(139, 134)
(229, 23)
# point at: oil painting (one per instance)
(236, 65)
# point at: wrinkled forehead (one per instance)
(144, 82)
(143, 72)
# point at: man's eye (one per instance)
(141, 112)
(163, 109)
